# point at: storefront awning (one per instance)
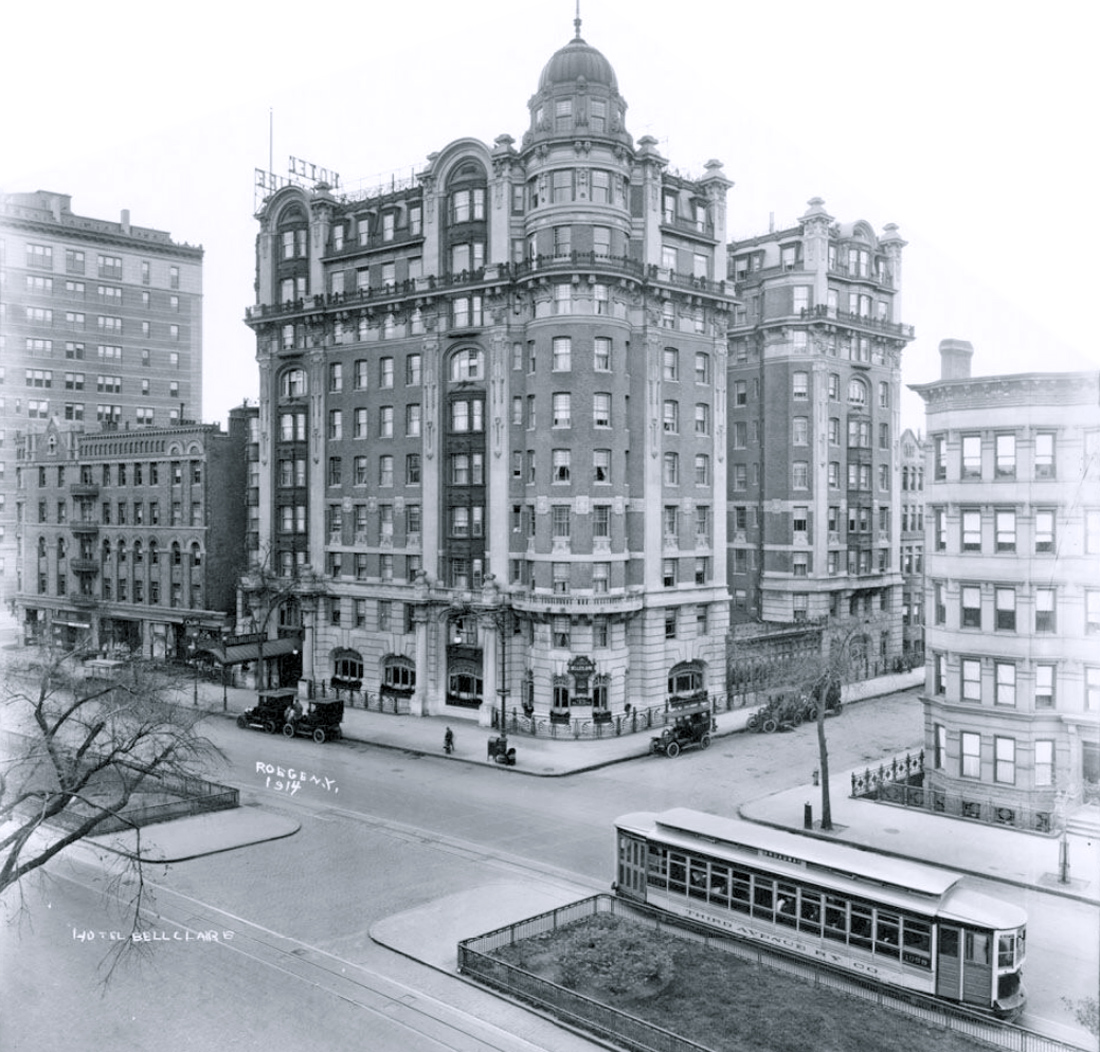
(240, 653)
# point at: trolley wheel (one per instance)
(673, 750)
(271, 726)
(704, 742)
(319, 735)
(242, 722)
(771, 725)
(288, 730)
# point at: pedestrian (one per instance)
(448, 741)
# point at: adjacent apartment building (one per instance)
(912, 548)
(133, 538)
(491, 431)
(1012, 539)
(813, 444)
(100, 324)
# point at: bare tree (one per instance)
(78, 752)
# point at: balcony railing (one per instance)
(564, 604)
(90, 566)
(84, 489)
(81, 526)
(857, 321)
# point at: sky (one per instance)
(966, 123)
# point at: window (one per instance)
(857, 392)
(740, 393)
(740, 434)
(561, 409)
(1092, 612)
(671, 525)
(970, 754)
(1005, 466)
(702, 469)
(1044, 455)
(971, 457)
(800, 475)
(1004, 753)
(385, 421)
(971, 530)
(1044, 763)
(671, 364)
(671, 469)
(601, 360)
(1044, 686)
(385, 471)
(601, 520)
(671, 622)
(412, 469)
(559, 573)
(702, 367)
(702, 419)
(800, 386)
(562, 354)
(601, 409)
(1006, 531)
(1004, 683)
(671, 418)
(412, 420)
(335, 424)
(668, 572)
(560, 460)
(560, 521)
(972, 606)
(800, 431)
(740, 477)
(1044, 531)
(601, 465)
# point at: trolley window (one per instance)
(786, 905)
(977, 947)
(917, 943)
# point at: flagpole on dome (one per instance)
(577, 21)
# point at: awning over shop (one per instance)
(240, 653)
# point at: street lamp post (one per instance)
(193, 649)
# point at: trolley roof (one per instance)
(849, 869)
(807, 852)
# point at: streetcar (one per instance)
(907, 924)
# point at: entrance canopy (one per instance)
(241, 653)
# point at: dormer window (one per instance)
(597, 116)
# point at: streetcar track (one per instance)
(477, 1032)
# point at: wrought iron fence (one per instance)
(901, 782)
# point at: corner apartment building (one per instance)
(814, 426)
(133, 538)
(100, 323)
(1012, 695)
(491, 418)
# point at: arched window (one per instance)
(177, 554)
(60, 548)
(399, 674)
(138, 556)
(857, 391)
(347, 667)
(154, 554)
(196, 554)
(106, 549)
(41, 547)
(121, 552)
(561, 693)
(467, 364)
(292, 384)
(686, 679)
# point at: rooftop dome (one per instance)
(578, 59)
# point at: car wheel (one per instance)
(839, 709)
(288, 730)
(771, 725)
(704, 742)
(673, 750)
(754, 722)
(319, 735)
(796, 719)
(271, 727)
(242, 722)
(811, 712)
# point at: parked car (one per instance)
(688, 730)
(321, 721)
(269, 712)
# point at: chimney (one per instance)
(126, 221)
(955, 358)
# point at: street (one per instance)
(384, 831)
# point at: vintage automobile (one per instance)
(321, 721)
(688, 729)
(269, 713)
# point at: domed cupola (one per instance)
(578, 59)
(578, 97)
